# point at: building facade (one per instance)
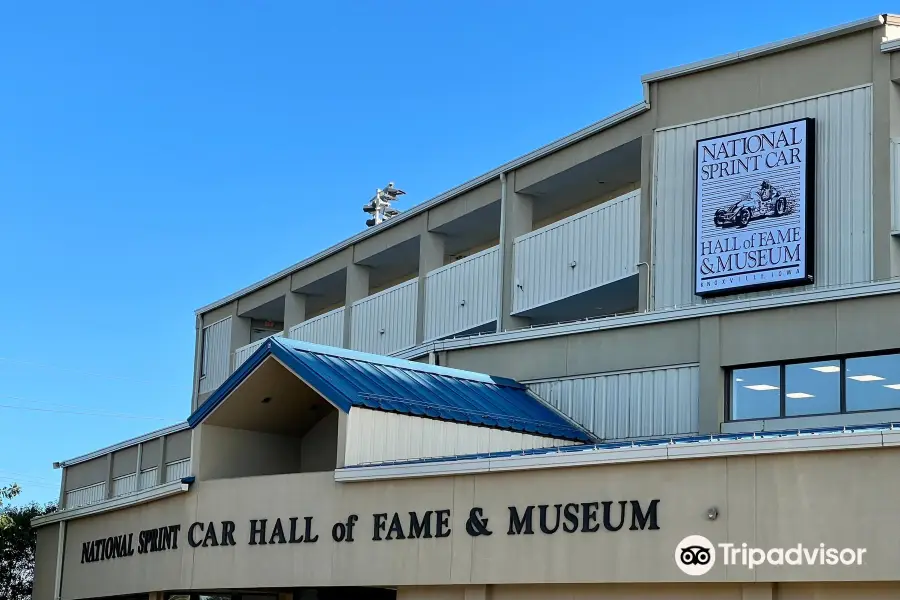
(679, 321)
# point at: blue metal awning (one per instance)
(347, 379)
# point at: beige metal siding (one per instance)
(217, 348)
(375, 436)
(86, 495)
(148, 478)
(587, 250)
(245, 352)
(124, 485)
(178, 470)
(386, 322)
(635, 404)
(843, 192)
(326, 329)
(895, 185)
(462, 295)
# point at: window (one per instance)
(873, 382)
(812, 388)
(756, 393)
(822, 387)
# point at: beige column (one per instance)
(431, 257)
(881, 159)
(161, 470)
(712, 377)
(645, 257)
(240, 333)
(62, 489)
(294, 310)
(515, 220)
(109, 469)
(357, 289)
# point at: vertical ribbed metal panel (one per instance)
(217, 345)
(602, 243)
(178, 470)
(895, 184)
(843, 192)
(245, 352)
(87, 495)
(327, 329)
(386, 322)
(636, 404)
(127, 484)
(462, 295)
(375, 436)
(148, 478)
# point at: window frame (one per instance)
(783, 364)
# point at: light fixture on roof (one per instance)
(799, 395)
(761, 387)
(866, 378)
(380, 205)
(827, 369)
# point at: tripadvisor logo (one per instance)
(695, 555)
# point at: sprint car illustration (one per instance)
(766, 201)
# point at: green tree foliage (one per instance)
(17, 544)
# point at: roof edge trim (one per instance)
(125, 444)
(765, 49)
(559, 144)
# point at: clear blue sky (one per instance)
(156, 157)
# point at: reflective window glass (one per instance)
(756, 393)
(812, 388)
(873, 382)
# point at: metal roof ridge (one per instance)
(400, 363)
(769, 48)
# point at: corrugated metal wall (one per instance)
(87, 495)
(895, 184)
(462, 295)
(602, 243)
(374, 436)
(245, 352)
(217, 348)
(629, 405)
(326, 329)
(843, 192)
(148, 477)
(126, 484)
(386, 322)
(177, 470)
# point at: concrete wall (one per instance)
(319, 447)
(766, 501)
(124, 461)
(680, 591)
(828, 66)
(86, 473)
(150, 453)
(228, 452)
(178, 446)
(45, 563)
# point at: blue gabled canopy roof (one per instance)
(346, 379)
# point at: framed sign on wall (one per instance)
(755, 209)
